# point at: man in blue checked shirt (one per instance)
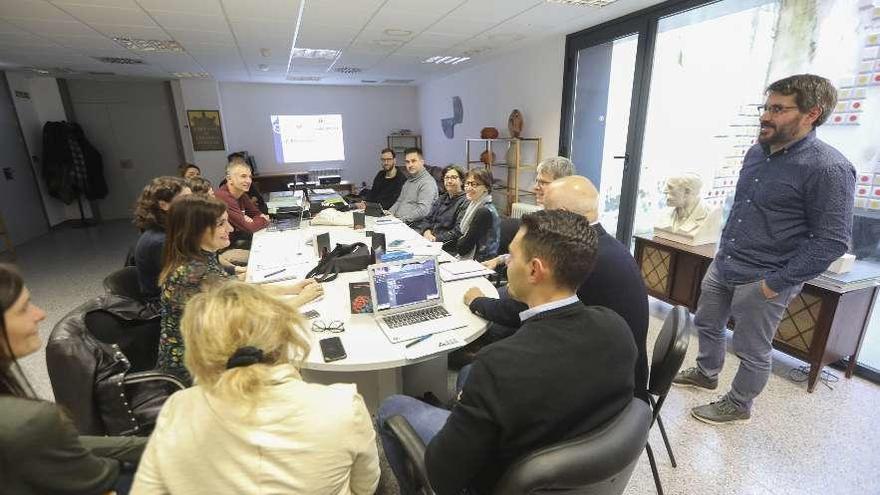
(791, 217)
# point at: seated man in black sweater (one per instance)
(615, 282)
(566, 371)
(387, 183)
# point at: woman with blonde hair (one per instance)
(198, 227)
(251, 424)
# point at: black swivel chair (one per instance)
(669, 350)
(508, 228)
(124, 282)
(599, 462)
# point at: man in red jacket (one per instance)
(243, 214)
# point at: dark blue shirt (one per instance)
(791, 216)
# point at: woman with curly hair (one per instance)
(150, 212)
(200, 185)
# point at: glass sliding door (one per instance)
(600, 120)
(702, 110)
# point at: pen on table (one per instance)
(420, 339)
(274, 273)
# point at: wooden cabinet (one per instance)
(820, 326)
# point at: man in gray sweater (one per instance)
(419, 191)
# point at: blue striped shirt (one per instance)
(791, 216)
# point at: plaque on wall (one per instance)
(205, 129)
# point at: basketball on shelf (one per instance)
(515, 123)
(489, 133)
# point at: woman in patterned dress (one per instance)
(198, 227)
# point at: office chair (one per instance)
(87, 357)
(124, 282)
(669, 350)
(599, 462)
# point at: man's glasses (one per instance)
(333, 326)
(774, 109)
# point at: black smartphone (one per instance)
(332, 349)
(378, 244)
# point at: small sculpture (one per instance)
(688, 220)
(487, 157)
(515, 123)
(489, 133)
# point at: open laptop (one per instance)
(408, 299)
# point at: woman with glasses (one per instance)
(479, 225)
(40, 449)
(198, 227)
(251, 424)
(440, 224)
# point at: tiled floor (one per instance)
(827, 442)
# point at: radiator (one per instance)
(520, 209)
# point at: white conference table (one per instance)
(378, 367)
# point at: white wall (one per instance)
(131, 124)
(368, 115)
(44, 105)
(195, 94)
(530, 80)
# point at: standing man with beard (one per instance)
(791, 217)
(387, 184)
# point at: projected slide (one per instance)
(308, 138)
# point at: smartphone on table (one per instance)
(332, 350)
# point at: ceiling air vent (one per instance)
(347, 70)
(99, 73)
(149, 45)
(304, 78)
(584, 3)
(119, 60)
(369, 81)
(191, 75)
(398, 81)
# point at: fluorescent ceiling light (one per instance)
(584, 3)
(141, 45)
(299, 18)
(445, 60)
(315, 53)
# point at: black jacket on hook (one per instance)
(71, 165)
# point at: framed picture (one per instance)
(205, 129)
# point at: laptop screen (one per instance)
(401, 284)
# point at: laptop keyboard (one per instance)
(416, 316)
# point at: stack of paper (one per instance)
(863, 274)
(460, 270)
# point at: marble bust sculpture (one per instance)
(688, 220)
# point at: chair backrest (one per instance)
(599, 462)
(137, 339)
(124, 282)
(669, 350)
(508, 229)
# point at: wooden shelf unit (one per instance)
(505, 149)
(400, 142)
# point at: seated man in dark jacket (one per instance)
(446, 212)
(387, 183)
(566, 371)
(615, 282)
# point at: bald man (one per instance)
(614, 283)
